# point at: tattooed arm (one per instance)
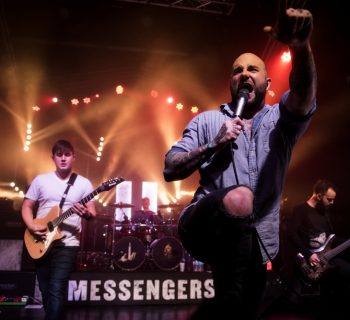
(180, 164)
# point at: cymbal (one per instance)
(121, 205)
(169, 205)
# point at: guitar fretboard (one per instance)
(332, 253)
(70, 211)
(105, 186)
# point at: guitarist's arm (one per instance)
(37, 229)
(297, 235)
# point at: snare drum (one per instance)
(167, 253)
(129, 253)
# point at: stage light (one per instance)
(170, 100)
(154, 94)
(150, 190)
(54, 100)
(28, 137)
(74, 102)
(87, 100)
(271, 93)
(179, 106)
(194, 109)
(119, 89)
(286, 57)
(99, 149)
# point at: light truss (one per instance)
(224, 7)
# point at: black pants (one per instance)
(53, 271)
(230, 246)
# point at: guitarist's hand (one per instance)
(39, 231)
(314, 260)
(81, 210)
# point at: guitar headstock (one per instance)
(109, 184)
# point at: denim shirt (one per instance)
(261, 160)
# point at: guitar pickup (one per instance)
(50, 226)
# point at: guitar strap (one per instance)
(70, 182)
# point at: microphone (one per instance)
(243, 96)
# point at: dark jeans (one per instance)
(53, 271)
(230, 246)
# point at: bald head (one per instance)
(250, 59)
(249, 71)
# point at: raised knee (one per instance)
(238, 202)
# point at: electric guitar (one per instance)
(325, 254)
(38, 247)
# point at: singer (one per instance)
(242, 152)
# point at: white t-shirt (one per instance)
(48, 189)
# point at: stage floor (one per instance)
(160, 312)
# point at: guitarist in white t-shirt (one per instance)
(46, 190)
(313, 235)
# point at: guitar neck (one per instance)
(332, 253)
(56, 222)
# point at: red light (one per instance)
(269, 266)
(154, 94)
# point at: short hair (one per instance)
(62, 146)
(322, 185)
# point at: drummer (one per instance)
(145, 215)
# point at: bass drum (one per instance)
(167, 253)
(129, 253)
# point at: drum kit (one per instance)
(129, 246)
